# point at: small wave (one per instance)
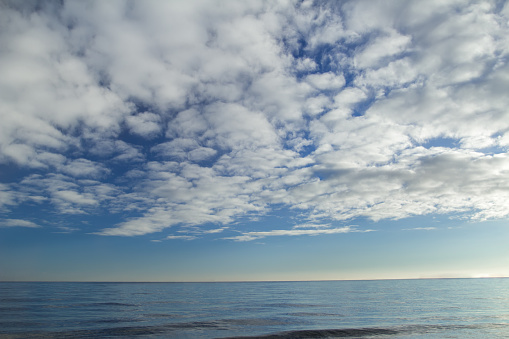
(100, 333)
(369, 331)
(56, 306)
(165, 315)
(256, 322)
(22, 300)
(169, 330)
(331, 333)
(296, 305)
(13, 309)
(113, 304)
(314, 314)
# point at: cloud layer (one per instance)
(211, 112)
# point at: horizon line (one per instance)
(237, 281)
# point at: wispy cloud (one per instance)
(215, 230)
(182, 237)
(420, 229)
(18, 223)
(248, 236)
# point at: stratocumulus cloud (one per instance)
(206, 113)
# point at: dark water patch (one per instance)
(13, 308)
(96, 305)
(110, 321)
(165, 315)
(256, 322)
(167, 330)
(296, 305)
(80, 334)
(191, 325)
(22, 300)
(314, 314)
(112, 304)
(170, 302)
(173, 330)
(56, 306)
(373, 331)
(19, 324)
(331, 333)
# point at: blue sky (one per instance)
(253, 140)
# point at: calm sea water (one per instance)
(447, 308)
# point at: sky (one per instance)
(253, 140)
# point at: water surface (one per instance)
(452, 308)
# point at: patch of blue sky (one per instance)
(11, 173)
(493, 150)
(300, 142)
(139, 140)
(326, 56)
(448, 142)
(298, 51)
(350, 75)
(441, 142)
(360, 108)
(43, 215)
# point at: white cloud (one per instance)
(187, 124)
(381, 49)
(305, 65)
(280, 97)
(184, 149)
(215, 230)
(177, 148)
(46, 90)
(420, 229)
(75, 197)
(235, 127)
(84, 168)
(18, 223)
(201, 154)
(68, 195)
(396, 74)
(154, 221)
(147, 125)
(116, 150)
(7, 196)
(326, 81)
(312, 226)
(182, 237)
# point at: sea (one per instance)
(425, 308)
